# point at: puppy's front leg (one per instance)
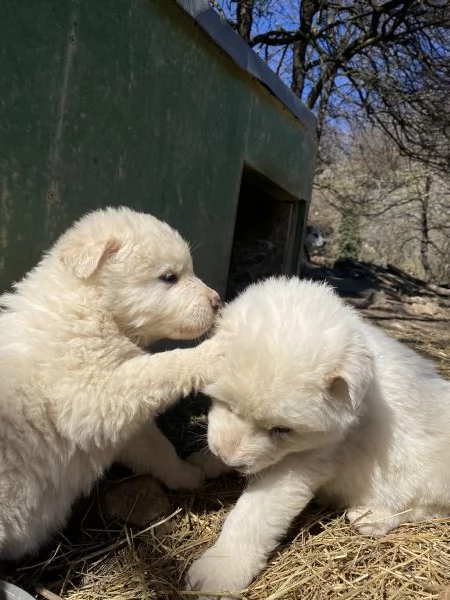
(151, 452)
(111, 410)
(254, 527)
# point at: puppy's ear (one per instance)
(350, 384)
(83, 259)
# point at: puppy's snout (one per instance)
(215, 300)
(224, 458)
(229, 461)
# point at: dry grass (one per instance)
(321, 558)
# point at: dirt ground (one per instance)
(407, 308)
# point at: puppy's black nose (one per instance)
(216, 302)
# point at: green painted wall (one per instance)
(129, 102)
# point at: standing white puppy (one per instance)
(75, 382)
(317, 402)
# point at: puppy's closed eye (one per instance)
(276, 431)
(169, 277)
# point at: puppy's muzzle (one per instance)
(215, 300)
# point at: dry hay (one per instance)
(321, 558)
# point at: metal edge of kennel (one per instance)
(156, 104)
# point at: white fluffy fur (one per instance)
(76, 384)
(319, 403)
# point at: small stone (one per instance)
(379, 299)
(429, 309)
(137, 501)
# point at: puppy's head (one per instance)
(314, 237)
(295, 372)
(142, 270)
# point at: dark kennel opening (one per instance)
(264, 241)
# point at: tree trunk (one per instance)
(244, 18)
(308, 9)
(424, 238)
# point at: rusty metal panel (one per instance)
(129, 102)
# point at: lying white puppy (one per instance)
(76, 384)
(317, 402)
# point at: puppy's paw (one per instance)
(211, 465)
(370, 522)
(186, 476)
(218, 573)
(211, 356)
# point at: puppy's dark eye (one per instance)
(281, 431)
(169, 277)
